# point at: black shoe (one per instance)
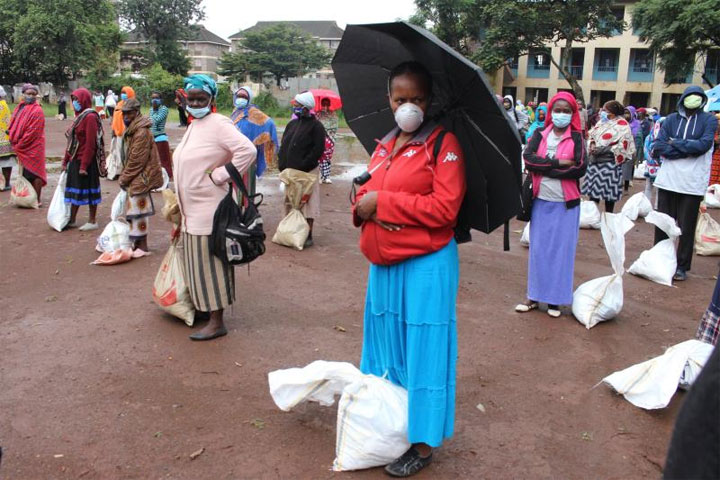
(308, 243)
(680, 275)
(199, 337)
(408, 464)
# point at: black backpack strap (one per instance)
(438, 144)
(236, 179)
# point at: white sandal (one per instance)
(524, 308)
(554, 313)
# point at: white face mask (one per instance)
(409, 117)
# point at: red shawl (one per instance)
(27, 136)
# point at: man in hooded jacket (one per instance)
(685, 143)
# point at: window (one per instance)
(607, 60)
(540, 60)
(513, 63)
(642, 61)
(618, 13)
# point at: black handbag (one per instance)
(237, 235)
(526, 198)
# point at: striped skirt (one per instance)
(211, 282)
(603, 181)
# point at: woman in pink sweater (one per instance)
(210, 142)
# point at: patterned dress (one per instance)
(603, 181)
(7, 156)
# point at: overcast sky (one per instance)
(227, 17)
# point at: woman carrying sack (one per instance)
(210, 142)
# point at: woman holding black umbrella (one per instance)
(407, 211)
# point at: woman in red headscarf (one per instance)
(555, 160)
(27, 137)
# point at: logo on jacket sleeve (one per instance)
(409, 153)
(450, 157)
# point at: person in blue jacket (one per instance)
(685, 143)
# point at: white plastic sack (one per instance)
(652, 384)
(525, 237)
(118, 206)
(660, 262)
(22, 193)
(115, 236)
(58, 215)
(293, 230)
(637, 206)
(639, 172)
(707, 235)
(166, 181)
(601, 299)
(712, 196)
(589, 215)
(114, 159)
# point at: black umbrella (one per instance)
(462, 101)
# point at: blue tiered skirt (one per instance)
(411, 336)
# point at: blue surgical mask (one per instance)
(77, 106)
(241, 102)
(298, 111)
(561, 120)
(123, 96)
(603, 116)
(157, 101)
(198, 112)
(30, 99)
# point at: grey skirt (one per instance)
(211, 282)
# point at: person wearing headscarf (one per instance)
(540, 115)
(110, 103)
(7, 155)
(85, 147)
(628, 168)
(611, 145)
(141, 174)
(260, 129)
(685, 143)
(519, 120)
(209, 143)
(158, 117)
(645, 123)
(118, 126)
(27, 137)
(329, 120)
(555, 160)
(652, 165)
(303, 143)
(62, 105)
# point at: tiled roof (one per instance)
(316, 28)
(199, 34)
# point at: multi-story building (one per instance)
(619, 67)
(203, 48)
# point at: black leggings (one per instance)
(609, 206)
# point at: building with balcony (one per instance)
(619, 68)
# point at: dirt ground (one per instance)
(97, 383)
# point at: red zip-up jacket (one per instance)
(421, 193)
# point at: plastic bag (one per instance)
(58, 215)
(22, 193)
(525, 237)
(372, 412)
(601, 299)
(114, 159)
(660, 262)
(115, 236)
(707, 235)
(171, 208)
(639, 172)
(120, 255)
(652, 384)
(712, 196)
(118, 206)
(166, 181)
(589, 215)
(293, 230)
(170, 290)
(637, 206)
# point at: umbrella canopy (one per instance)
(320, 93)
(462, 102)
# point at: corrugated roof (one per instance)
(199, 34)
(316, 28)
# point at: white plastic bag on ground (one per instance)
(525, 237)
(372, 412)
(58, 215)
(639, 172)
(712, 196)
(707, 235)
(652, 384)
(637, 206)
(589, 215)
(660, 262)
(170, 290)
(115, 236)
(601, 299)
(22, 193)
(118, 206)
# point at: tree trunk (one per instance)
(564, 67)
(278, 79)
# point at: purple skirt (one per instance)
(553, 241)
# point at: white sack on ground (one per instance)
(525, 237)
(601, 299)
(639, 172)
(660, 262)
(637, 206)
(651, 384)
(707, 235)
(712, 196)
(589, 215)
(58, 215)
(293, 230)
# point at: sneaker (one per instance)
(408, 464)
(680, 275)
(88, 227)
(554, 311)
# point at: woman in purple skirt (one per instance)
(555, 160)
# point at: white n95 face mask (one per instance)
(409, 117)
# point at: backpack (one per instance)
(237, 235)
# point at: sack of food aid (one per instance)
(712, 196)
(660, 262)
(115, 236)
(601, 299)
(707, 235)
(114, 159)
(22, 193)
(652, 384)
(372, 412)
(637, 206)
(166, 181)
(118, 206)
(589, 215)
(525, 237)
(58, 215)
(170, 290)
(115, 257)
(293, 230)
(171, 208)
(639, 172)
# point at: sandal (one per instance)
(526, 307)
(554, 311)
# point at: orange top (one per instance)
(117, 121)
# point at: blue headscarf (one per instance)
(259, 128)
(537, 123)
(201, 82)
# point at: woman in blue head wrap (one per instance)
(540, 114)
(259, 128)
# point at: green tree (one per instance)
(283, 50)
(456, 22)
(678, 32)
(163, 23)
(235, 66)
(55, 40)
